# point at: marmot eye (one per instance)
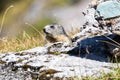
(52, 27)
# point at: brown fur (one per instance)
(58, 38)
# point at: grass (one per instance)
(20, 43)
(29, 37)
(110, 76)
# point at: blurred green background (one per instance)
(32, 12)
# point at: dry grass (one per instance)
(22, 42)
(29, 37)
(74, 31)
(110, 76)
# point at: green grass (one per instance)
(110, 76)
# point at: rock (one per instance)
(56, 33)
(108, 14)
(89, 17)
(44, 66)
(41, 50)
(108, 9)
(60, 47)
(90, 33)
(116, 26)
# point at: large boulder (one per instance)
(34, 66)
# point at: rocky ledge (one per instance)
(33, 65)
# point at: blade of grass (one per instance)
(4, 15)
(108, 43)
(112, 40)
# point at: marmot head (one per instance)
(53, 29)
(55, 32)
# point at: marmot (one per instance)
(55, 33)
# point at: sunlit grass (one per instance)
(20, 43)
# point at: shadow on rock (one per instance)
(95, 48)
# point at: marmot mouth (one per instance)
(44, 30)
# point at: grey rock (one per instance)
(108, 9)
(40, 50)
(108, 16)
(116, 26)
(60, 47)
(33, 66)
